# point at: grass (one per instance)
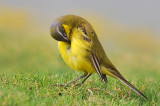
(38, 88)
(30, 68)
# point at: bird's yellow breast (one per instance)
(75, 56)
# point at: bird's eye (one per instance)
(82, 29)
(61, 31)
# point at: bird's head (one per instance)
(61, 28)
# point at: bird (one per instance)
(81, 50)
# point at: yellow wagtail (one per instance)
(82, 51)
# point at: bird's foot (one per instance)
(60, 85)
(79, 84)
(66, 85)
(104, 78)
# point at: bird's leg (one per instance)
(74, 80)
(84, 80)
(77, 79)
(104, 78)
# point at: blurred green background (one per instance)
(128, 30)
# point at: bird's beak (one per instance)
(57, 35)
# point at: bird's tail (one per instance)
(113, 72)
(131, 86)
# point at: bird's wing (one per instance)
(89, 41)
(96, 64)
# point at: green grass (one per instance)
(30, 68)
(38, 88)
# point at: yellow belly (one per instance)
(75, 57)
